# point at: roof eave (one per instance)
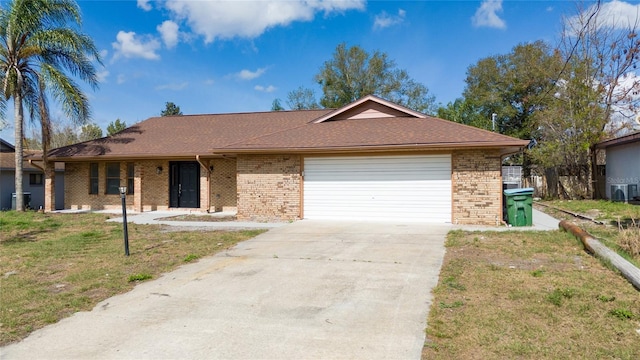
(508, 148)
(626, 139)
(130, 157)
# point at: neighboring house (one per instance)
(623, 167)
(32, 179)
(370, 160)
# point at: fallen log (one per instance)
(627, 269)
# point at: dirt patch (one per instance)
(560, 262)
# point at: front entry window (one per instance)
(113, 178)
(93, 178)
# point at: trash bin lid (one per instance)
(523, 191)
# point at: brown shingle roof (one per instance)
(8, 161)
(360, 127)
(369, 134)
(186, 136)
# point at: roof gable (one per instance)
(369, 107)
(6, 147)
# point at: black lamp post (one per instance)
(123, 196)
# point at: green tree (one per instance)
(353, 73)
(170, 109)
(514, 86)
(301, 99)
(41, 53)
(276, 105)
(605, 55)
(63, 133)
(567, 127)
(90, 131)
(464, 112)
(115, 127)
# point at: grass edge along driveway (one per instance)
(529, 295)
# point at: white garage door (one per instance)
(410, 188)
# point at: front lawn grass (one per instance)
(529, 295)
(52, 265)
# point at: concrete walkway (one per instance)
(163, 218)
(540, 221)
(306, 290)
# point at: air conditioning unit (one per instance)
(619, 192)
(632, 191)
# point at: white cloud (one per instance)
(615, 15)
(102, 75)
(228, 19)
(144, 5)
(129, 45)
(487, 15)
(175, 87)
(250, 75)
(384, 20)
(268, 89)
(209, 82)
(169, 32)
(121, 79)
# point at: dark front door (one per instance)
(184, 184)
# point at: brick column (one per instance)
(137, 187)
(477, 187)
(49, 187)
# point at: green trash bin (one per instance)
(519, 206)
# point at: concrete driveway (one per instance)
(310, 289)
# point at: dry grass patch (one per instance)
(621, 230)
(629, 239)
(52, 265)
(529, 295)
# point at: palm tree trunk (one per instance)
(19, 120)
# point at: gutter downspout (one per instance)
(31, 162)
(207, 198)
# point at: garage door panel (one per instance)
(378, 188)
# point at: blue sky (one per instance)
(238, 56)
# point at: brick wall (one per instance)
(268, 187)
(476, 187)
(223, 180)
(151, 190)
(154, 187)
(76, 188)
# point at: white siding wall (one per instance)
(623, 165)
